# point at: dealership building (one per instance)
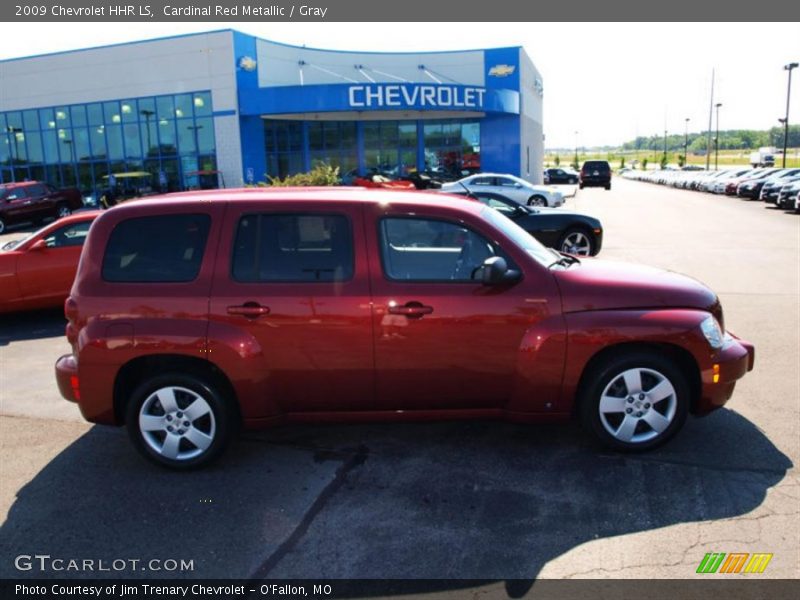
(234, 108)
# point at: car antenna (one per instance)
(469, 192)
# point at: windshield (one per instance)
(519, 236)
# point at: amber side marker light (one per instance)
(715, 377)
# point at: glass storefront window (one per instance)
(183, 106)
(78, 114)
(34, 140)
(95, 112)
(62, 117)
(80, 144)
(29, 120)
(128, 111)
(202, 104)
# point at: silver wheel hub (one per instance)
(637, 405)
(577, 243)
(177, 423)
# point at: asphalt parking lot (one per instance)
(477, 500)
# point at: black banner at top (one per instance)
(392, 10)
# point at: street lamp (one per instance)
(147, 114)
(686, 142)
(14, 131)
(665, 148)
(576, 150)
(789, 68)
(716, 139)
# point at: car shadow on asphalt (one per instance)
(33, 325)
(471, 500)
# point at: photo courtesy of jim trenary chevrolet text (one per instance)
(366, 299)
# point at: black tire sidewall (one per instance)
(604, 373)
(223, 417)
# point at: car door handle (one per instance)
(412, 310)
(251, 310)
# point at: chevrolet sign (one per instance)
(415, 96)
(502, 70)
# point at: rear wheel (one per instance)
(2, 226)
(577, 241)
(634, 401)
(179, 421)
(580, 186)
(608, 186)
(62, 210)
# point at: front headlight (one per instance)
(713, 332)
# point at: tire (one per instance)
(537, 200)
(2, 226)
(162, 436)
(62, 210)
(580, 186)
(577, 241)
(608, 186)
(650, 422)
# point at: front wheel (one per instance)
(2, 226)
(537, 201)
(576, 241)
(179, 421)
(635, 401)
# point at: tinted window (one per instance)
(431, 250)
(482, 181)
(596, 165)
(71, 235)
(293, 248)
(16, 193)
(166, 248)
(37, 190)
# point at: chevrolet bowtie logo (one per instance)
(502, 70)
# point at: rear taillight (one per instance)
(74, 383)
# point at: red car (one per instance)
(33, 202)
(37, 271)
(195, 313)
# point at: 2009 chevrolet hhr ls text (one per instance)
(198, 312)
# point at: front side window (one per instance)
(71, 235)
(157, 249)
(432, 250)
(293, 247)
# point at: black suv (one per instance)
(595, 173)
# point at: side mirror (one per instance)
(517, 185)
(38, 246)
(496, 271)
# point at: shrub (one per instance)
(322, 174)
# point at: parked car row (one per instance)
(767, 184)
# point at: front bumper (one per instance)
(719, 376)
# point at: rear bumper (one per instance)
(728, 365)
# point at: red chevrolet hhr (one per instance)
(198, 312)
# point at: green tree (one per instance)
(557, 160)
(322, 174)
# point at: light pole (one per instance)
(576, 150)
(716, 139)
(686, 142)
(789, 68)
(14, 131)
(147, 114)
(664, 160)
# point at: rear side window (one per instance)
(286, 247)
(157, 249)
